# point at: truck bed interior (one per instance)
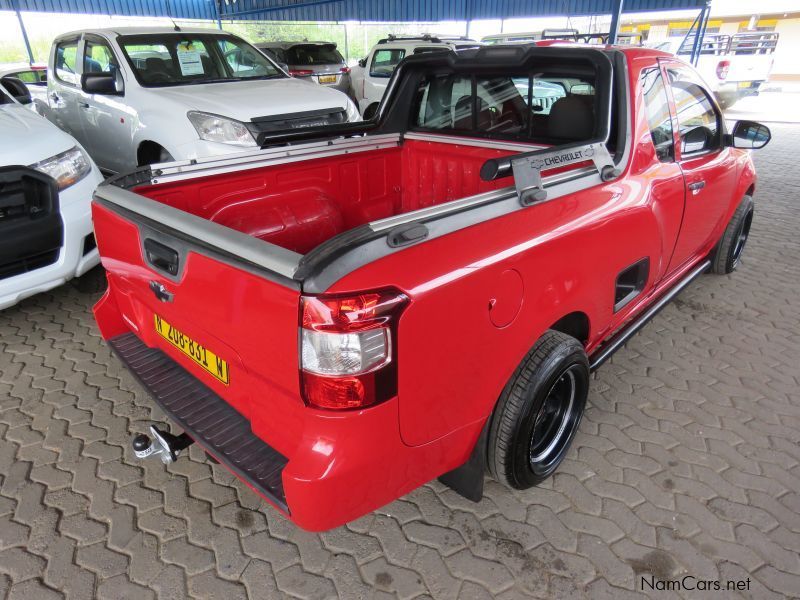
(300, 205)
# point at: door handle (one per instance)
(161, 257)
(83, 104)
(696, 186)
(55, 97)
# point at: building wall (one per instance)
(787, 65)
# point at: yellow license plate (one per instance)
(327, 78)
(745, 84)
(197, 352)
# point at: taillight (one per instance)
(723, 67)
(345, 69)
(347, 346)
(300, 72)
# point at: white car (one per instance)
(139, 96)
(46, 186)
(370, 78)
(734, 66)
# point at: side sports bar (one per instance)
(352, 311)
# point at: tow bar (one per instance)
(163, 444)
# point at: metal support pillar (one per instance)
(615, 16)
(24, 32)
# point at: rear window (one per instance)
(524, 106)
(38, 77)
(313, 54)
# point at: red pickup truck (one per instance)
(354, 310)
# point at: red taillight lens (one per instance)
(347, 348)
(345, 69)
(723, 67)
(300, 72)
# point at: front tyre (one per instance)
(539, 411)
(729, 250)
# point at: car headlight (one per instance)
(352, 112)
(214, 128)
(67, 168)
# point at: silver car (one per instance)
(319, 62)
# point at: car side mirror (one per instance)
(695, 140)
(750, 135)
(362, 63)
(17, 88)
(106, 84)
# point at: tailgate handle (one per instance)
(161, 257)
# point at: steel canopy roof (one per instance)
(344, 10)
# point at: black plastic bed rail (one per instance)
(207, 418)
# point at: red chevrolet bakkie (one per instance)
(350, 311)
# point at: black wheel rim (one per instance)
(741, 239)
(555, 421)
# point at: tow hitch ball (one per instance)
(163, 444)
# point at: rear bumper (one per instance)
(728, 93)
(339, 466)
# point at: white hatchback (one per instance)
(139, 96)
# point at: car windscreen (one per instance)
(313, 54)
(168, 59)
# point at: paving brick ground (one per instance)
(687, 462)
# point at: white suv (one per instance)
(46, 187)
(370, 77)
(139, 96)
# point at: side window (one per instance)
(699, 124)
(66, 59)
(384, 62)
(658, 117)
(98, 58)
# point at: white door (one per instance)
(106, 120)
(380, 67)
(64, 89)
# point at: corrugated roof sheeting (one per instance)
(179, 9)
(345, 10)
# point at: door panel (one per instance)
(105, 120)
(708, 166)
(63, 90)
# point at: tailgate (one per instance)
(753, 67)
(218, 302)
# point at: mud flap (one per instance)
(467, 480)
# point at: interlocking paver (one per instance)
(687, 462)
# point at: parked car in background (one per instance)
(139, 96)
(34, 76)
(371, 76)
(46, 185)
(338, 320)
(735, 66)
(319, 62)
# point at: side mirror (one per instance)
(107, 84)
(695, 140)
(17, 88)
(362, 63)
(750, 135)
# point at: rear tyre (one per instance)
(729, 249)
(539, 411)
(91, 282)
